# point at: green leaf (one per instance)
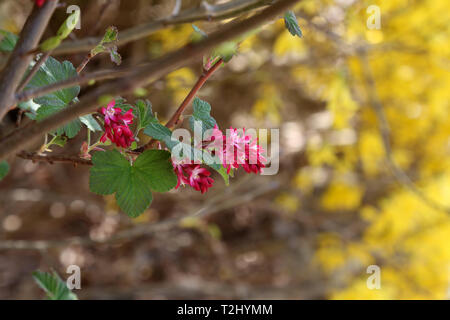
(111, 35)
(54, 286)
(70, 129)
(291, 23)
(114, 55)
(144, 113)
(156, 167)
(202, 113)
(132, 184)
(121, 103)
(63, 32)
(90, 122)
(60, 141)
(107, 171)
(4, 169)
(159, 132)
(53, 71)
(8, 41)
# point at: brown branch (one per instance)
(206, 74)
(34, 70)
(35, 157)
(142, 77)
(78, 80)
(84, 63)
(214, 12)
(173, 121)
(19, 61)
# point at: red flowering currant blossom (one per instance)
(116, 125)
(193, 175)
(237, 150)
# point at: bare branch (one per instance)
(78, 80)
(216, 12)
(145, 75)
(33, 71)
(35, 157)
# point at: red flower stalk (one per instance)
(116, 125)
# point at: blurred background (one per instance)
(342, 200)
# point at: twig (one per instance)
(173, 121)
(206, 74)
(84, 63)
(383, 124)
(19, 61)
(33, 71)
(78, 80)
(140, 78)
(35, 157)
(221, 11)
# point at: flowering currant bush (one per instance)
(125, 171)
(131, 153)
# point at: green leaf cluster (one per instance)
(179, 149)
(53, 71)
(132, 183)
(106, 45)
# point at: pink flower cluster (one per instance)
(233, 151)
(237, 149)
(193, 175)
(117, 125)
